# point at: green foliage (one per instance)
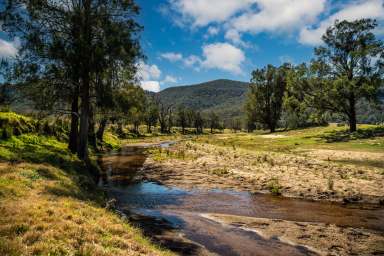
(347, 69)
(265, 99)
(224, 97)
(274, 186)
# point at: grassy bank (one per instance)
(50, 206)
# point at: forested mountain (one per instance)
(225, 97)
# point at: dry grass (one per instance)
(50, 206)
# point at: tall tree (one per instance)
(214, 122)
(182, 118)
(265, 98)
(72, 42)
(348, 68)
(151, 114)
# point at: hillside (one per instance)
(225, 97)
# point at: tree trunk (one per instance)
(352, 114)
(74, 133)
(84, 119)
(149, 130)
(91, 128)
(100, 131)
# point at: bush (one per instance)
(274, 186)
(6, 133)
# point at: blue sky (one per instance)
(193, 41)
(230, 38)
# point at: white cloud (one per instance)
(192, 60)
(278, 15)
(213, 31)
(356, 10)
(172, 56)
(286, 59)
(223, 56)
(170, 79)
(8, 49)
(204, 12)
(235, 37)
(148, 72)
(153, 86)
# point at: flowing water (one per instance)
(169, 215)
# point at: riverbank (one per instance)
(50, 204)
(300, 164)
(178, 218)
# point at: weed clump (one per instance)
(220, 171)
(274, 186)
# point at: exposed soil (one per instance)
(318, 237)
(310, 175)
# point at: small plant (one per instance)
(274, 186)
(220, 171)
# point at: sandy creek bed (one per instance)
(204, 221)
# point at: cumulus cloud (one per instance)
(170, 79)
(356, 10)
(278, 15)
(172, 56)
(305, 19)
(203, 12)
(235, 37)
(213, 31)
(8, 49)
(192, 60)
(148, 76)
(223, 56)
(148, 72)
(152, 86)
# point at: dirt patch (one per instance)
(311, 177)
(318, 237)
(273, 136)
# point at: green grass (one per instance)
(367, 138)
(50, 204)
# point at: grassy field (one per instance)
(50, 206)
(367, 138)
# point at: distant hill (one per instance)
(225, 97)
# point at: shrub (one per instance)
(274, 186)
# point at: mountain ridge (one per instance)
(223, 96)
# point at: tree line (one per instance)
(348, 67)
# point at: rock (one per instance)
(111, 204)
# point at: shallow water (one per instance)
(162, 209)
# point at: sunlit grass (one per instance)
(50, 205)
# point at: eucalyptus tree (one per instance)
(151, 113)
(347, 68)
(72, 43)
(214, 121)
(182, 118)
(265, 98)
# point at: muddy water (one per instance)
(173, 217)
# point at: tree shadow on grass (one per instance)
(78, 171)
(344, 136)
